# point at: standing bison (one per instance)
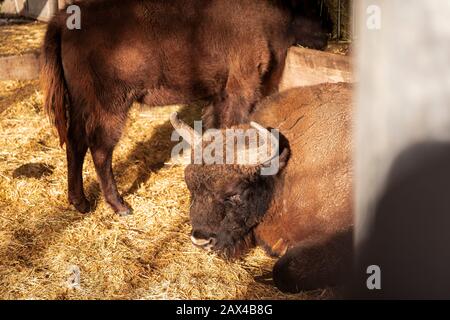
(303, 213)
(230, 53)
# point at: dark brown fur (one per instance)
(304, 213)
(157, 52)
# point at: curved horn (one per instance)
(266, 151)
(271, 144)
(190, 135)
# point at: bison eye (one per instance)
(233, 198)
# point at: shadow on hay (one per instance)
(33, 170)
(155, 260)
(264, 288)
(28, 243)
(10, 99)
(149, 155)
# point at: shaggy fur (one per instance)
(305, 211)
(230, 53)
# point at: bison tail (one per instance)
(53, 82)
(315, 264)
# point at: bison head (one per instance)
(227, 200)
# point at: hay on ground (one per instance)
(145, 256)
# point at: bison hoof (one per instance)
(125, 212)
(82, 206)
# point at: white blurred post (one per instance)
(403, 96)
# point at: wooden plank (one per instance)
(42, 10)
(10, 7)
(305, 67)
(23, 67)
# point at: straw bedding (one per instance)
(144, 256)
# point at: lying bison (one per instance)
(230, 53)
(304, 213)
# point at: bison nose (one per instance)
(201, 239)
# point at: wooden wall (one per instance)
(38, 9)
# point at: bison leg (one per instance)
(272, 79)
(242, 91)
(232, 110)
(102, 140)
(314, 264)
(76, 150)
